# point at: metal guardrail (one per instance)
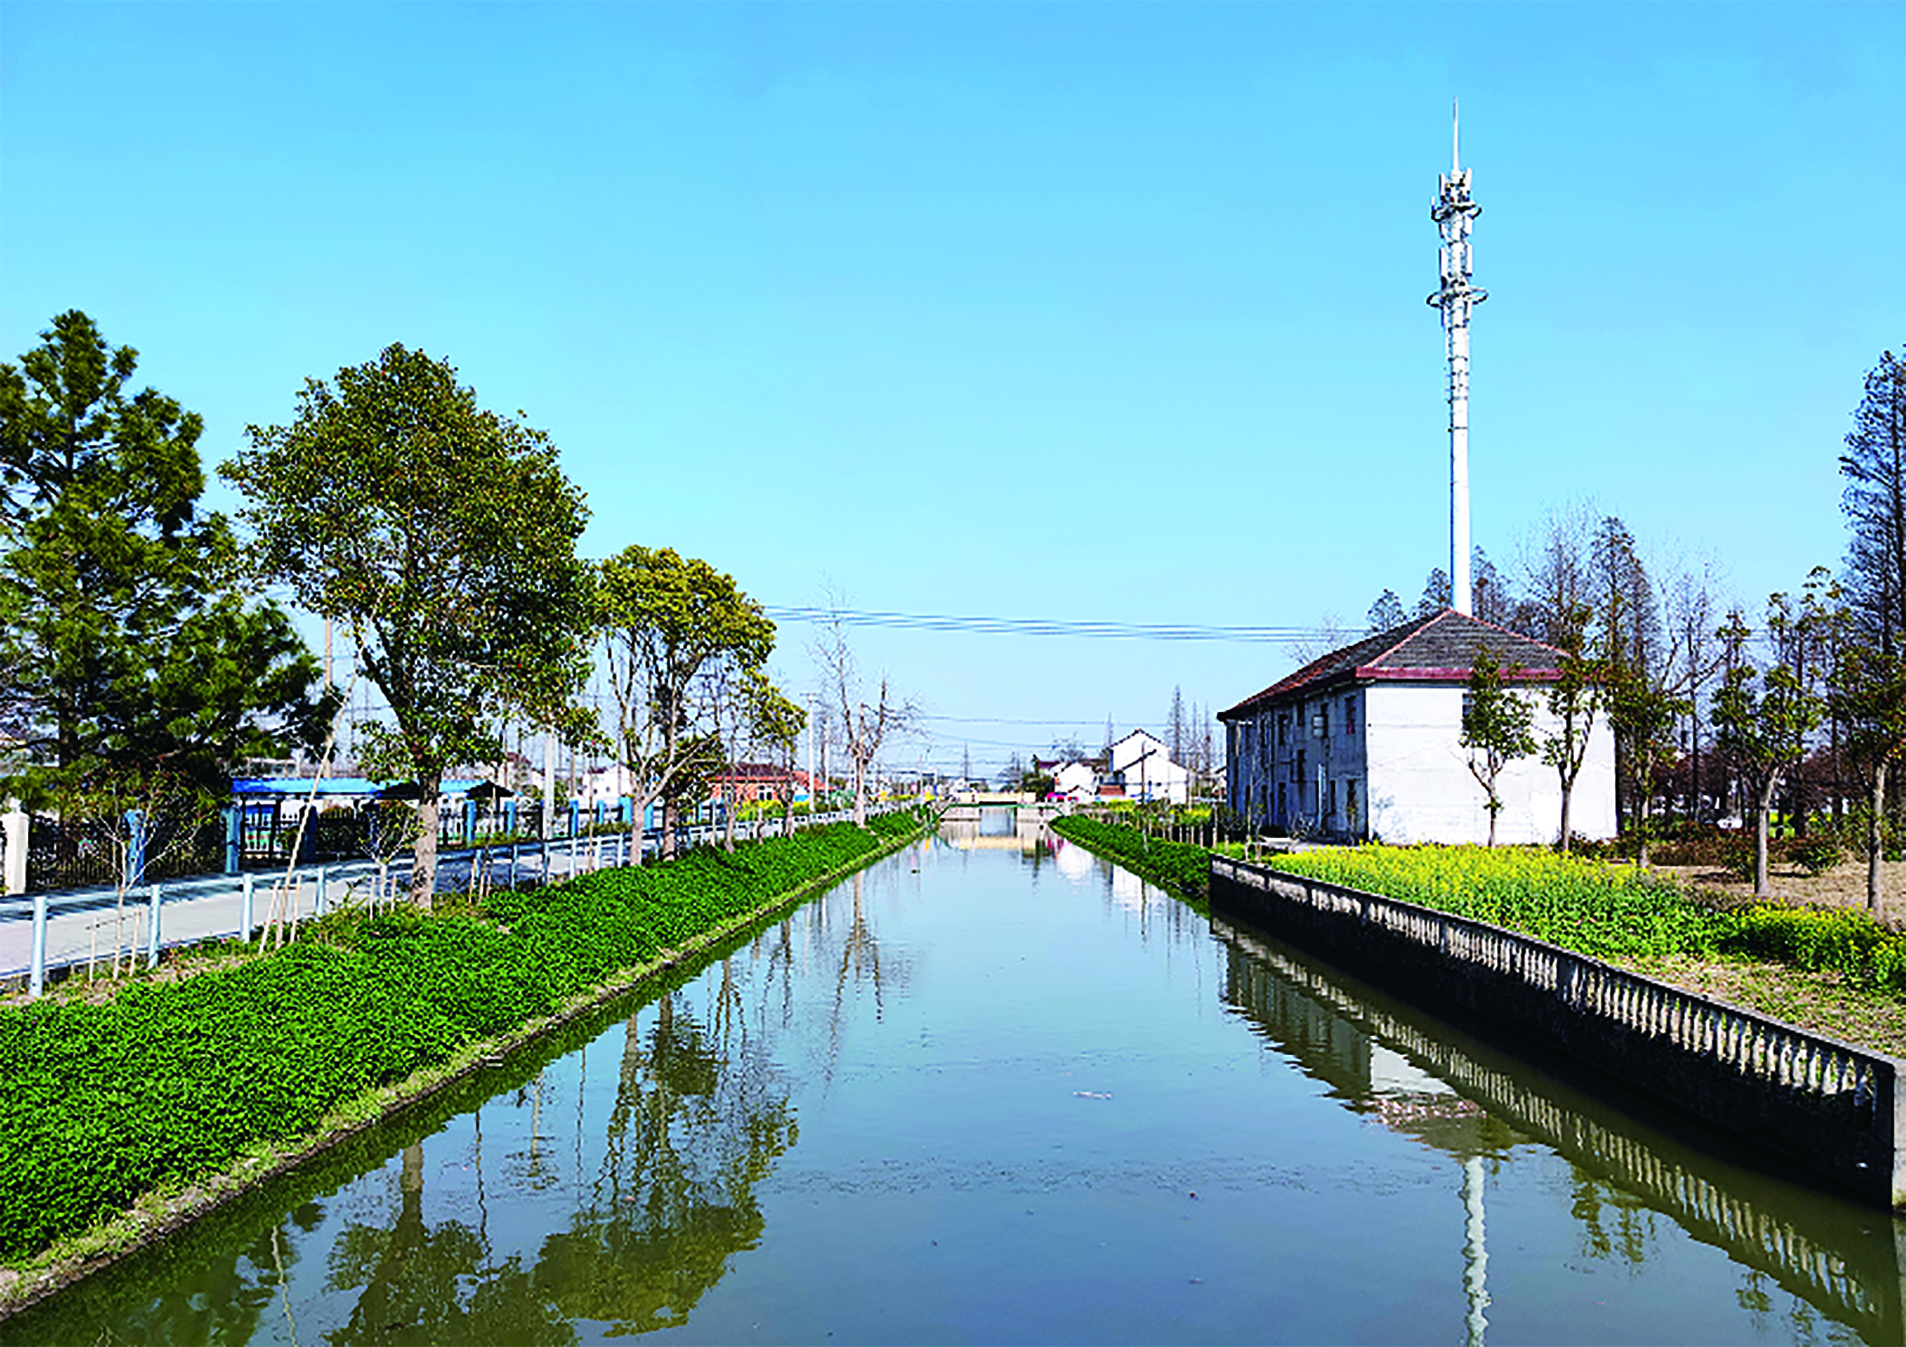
(45, 932)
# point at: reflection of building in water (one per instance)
(995, 830)
(1073, 861)
(1423, 1077)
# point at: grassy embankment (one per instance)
(1838, 972)
(121, 1114)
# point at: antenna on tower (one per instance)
(1454, 214)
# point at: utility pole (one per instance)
(813, 798)
(1454, 214)
(549, 783)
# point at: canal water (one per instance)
(996, 1090)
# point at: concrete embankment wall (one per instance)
(1832, 1107)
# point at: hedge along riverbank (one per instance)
(169, 1084)
(1182, 867)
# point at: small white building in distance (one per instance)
(1141, 763)
(1363, 744)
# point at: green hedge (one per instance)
(1179, 866)
(102, 1102)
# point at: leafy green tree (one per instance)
(124, 647)
(672, 627)
(1496, 726)
(1763, 731)
(443, 537)
(773, 723)
(1574, 699)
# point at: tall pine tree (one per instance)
(126, 648)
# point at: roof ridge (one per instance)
(1411, 629)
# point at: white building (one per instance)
(1140, 763)
(1075, 780)
(1363, 744)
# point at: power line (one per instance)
(1001, 720)
(1042, 626)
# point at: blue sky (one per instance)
(1106, 312)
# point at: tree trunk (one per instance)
(860, 794)
(423, 870)
(671, 817)
(1568, 791)
(1766, 807)
(639, 810)
(1875, 845)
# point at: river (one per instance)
(996, 1090)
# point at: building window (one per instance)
(1298, 775)
(1283, 805)
(1349, 715)
(1350, 805)
(1283, 729)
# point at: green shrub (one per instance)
(1179, 866)
(1820, 850)
(169, 1080)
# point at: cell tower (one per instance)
(1454, 213)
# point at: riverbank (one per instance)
(1183, 868)
(127, 1118)
(1840, 976)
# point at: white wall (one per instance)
(1149, 772)
(1421, 790)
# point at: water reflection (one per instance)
(698, 1122)
(995, 829)
(1417, 1075)
(1011, 1101)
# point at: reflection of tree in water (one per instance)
(422, 1284)
(859, 962)
(225, 1301)
(699, 1120)
(1616, 1224)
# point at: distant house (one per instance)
(1140, 764)
(1363, 743)
(1072, 778)
(752, 781)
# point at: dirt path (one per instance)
(1842, 886)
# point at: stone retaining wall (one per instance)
(1832, 1107)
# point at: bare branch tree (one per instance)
(864, 725)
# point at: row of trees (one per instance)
(441, 536)
(1803, 716)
